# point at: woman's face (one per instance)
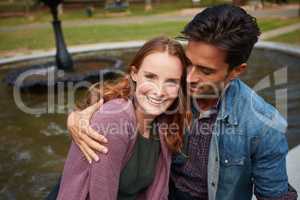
(157, 82)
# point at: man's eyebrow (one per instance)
(206, 67)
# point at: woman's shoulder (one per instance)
(115, 117)
(116, 110)
(119, 104)
(118, 107)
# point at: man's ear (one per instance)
(237, 71)
(133, 73)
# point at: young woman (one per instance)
(144, 123)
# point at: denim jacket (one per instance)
(248, 148)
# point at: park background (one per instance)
(34, 146)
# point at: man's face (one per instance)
(209, 73)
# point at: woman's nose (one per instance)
(160, 90)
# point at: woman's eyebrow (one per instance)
(173, 79)
(168, 79)
(150, 73)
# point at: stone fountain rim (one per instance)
(281, 47)
(73, 50)
(274, 46)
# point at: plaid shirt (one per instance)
(191, 177)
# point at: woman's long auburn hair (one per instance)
(177, 114)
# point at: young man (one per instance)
(236, 144)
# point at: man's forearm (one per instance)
(290, 195)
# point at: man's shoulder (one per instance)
(255, 110)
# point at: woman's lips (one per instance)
(155, 101)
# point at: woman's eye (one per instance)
(149, 76)
(172, 83)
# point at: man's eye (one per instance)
(206, 71)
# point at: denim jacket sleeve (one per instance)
(269, 164)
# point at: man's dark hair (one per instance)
(227, 27)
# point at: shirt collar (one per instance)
(207, 113)
(228, 103)
(214, 109)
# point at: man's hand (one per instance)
(87, 139)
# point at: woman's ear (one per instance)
(133, 73)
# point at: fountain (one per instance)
(64, 69)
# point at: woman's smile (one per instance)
(155, 101)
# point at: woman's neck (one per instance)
(144, 121)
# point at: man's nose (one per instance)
(192, 76)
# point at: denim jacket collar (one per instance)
(228, 104)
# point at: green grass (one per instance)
(41, 14)
(269, 24)
(27, 40)
(44, 39)
(290, 38)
